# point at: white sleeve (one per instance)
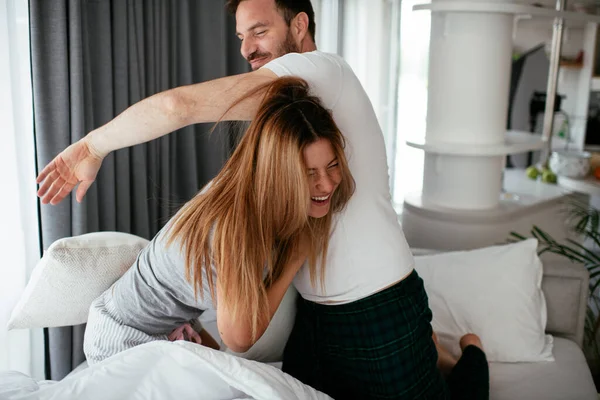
(324, 73)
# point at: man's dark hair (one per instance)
(288, 8)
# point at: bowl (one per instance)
(570, 164)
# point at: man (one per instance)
(368, 252)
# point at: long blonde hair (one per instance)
(252, 215)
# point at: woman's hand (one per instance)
(185, 332)
(77, 164)
(193, 332)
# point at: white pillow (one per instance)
(494, 292)
(70, 275)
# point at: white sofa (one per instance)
(565, 287)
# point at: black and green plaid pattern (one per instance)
(379, 347)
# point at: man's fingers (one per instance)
(62, 193)
(53, 195)
(48, 181)
(45, 172)
(55, 184)
(82, 190)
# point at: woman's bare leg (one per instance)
(446, 361)
(470, 339)
(470, 378)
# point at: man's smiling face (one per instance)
(263, 32)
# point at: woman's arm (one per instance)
(237, 334)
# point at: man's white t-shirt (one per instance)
(367, 250)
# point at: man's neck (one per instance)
(308, 45)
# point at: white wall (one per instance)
(530, 33)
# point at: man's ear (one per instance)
(299, 26)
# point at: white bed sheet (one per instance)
(164, 370)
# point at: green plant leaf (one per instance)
(536, 235)
(590, 255)
(595, 287)
(544, 250)
(567, 252)
(517, 236)
(594, 235)
(594, 274)
(545, 236)
(582, 225)
(582, 217)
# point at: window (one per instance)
(387, 45)
(412, 99)
(20, 350)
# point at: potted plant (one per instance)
(584, 221)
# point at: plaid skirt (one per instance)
(379, 347)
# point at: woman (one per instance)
(237, 245)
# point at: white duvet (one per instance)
(165, 370)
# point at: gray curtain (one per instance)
(91, 59)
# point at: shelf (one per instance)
(516, 142)
(589, 185)
(535, 22)
(506, 8)
(571, 64)
(522, 197)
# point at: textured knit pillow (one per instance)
(70, 275)
(494, 292)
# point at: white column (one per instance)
(462, 183)
(469, 77)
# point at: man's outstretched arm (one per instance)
(173, 109)
(146, 120)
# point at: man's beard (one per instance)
(288, 46)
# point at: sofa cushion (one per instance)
(494, 292)
(566, 287)
(568, 377)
